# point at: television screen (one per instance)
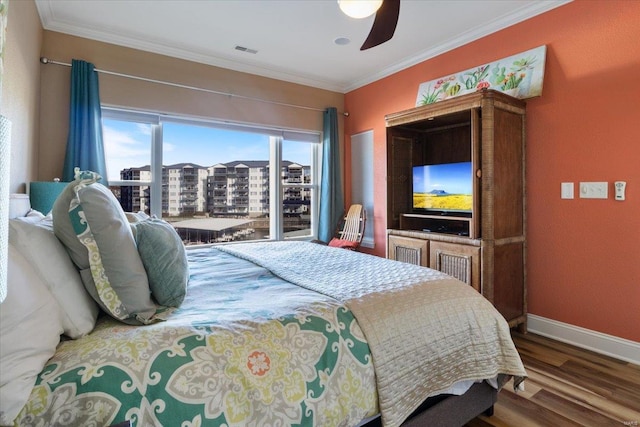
(445, 187)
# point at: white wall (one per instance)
(362, 179)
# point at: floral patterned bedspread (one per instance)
(245, 349)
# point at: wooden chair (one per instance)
(351, 230)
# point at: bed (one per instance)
(267, 333)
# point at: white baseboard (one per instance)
(609, 345)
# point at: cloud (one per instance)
(125, 149)
(143, 128)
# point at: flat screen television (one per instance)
(445, 188)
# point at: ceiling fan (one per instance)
(384, 23)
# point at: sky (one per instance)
(128, 144)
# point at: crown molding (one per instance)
(524, 13)
(52, 23)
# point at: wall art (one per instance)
(520, 76)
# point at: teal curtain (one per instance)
(331, 197)
(85, 148)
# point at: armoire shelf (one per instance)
(449, 224)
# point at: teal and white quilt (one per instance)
(246, 348)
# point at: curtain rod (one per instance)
(46, 60)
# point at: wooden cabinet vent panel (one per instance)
(410, 255)
(458, 266)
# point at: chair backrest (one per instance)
(353, 226)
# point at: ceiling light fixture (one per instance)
(359, 8)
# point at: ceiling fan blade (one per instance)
(384, 24)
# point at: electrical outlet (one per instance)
(594, 190)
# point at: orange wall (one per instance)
(583, 265)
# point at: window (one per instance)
(197, 174)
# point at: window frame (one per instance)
(277, 136)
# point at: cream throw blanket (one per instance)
(426, 330)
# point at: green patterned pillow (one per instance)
(97, 235)
(164, 258)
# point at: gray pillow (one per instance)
(63, 229)
(164, 258)
(90, 222)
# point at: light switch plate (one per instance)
(594, 190)
(566, 190)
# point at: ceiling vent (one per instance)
(246, 49)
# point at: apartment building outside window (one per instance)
(214, 182)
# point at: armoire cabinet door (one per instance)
(459, 261)
(406, 249)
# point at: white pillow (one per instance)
(30, 328)
(33, 236)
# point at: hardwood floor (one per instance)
(567, 386)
